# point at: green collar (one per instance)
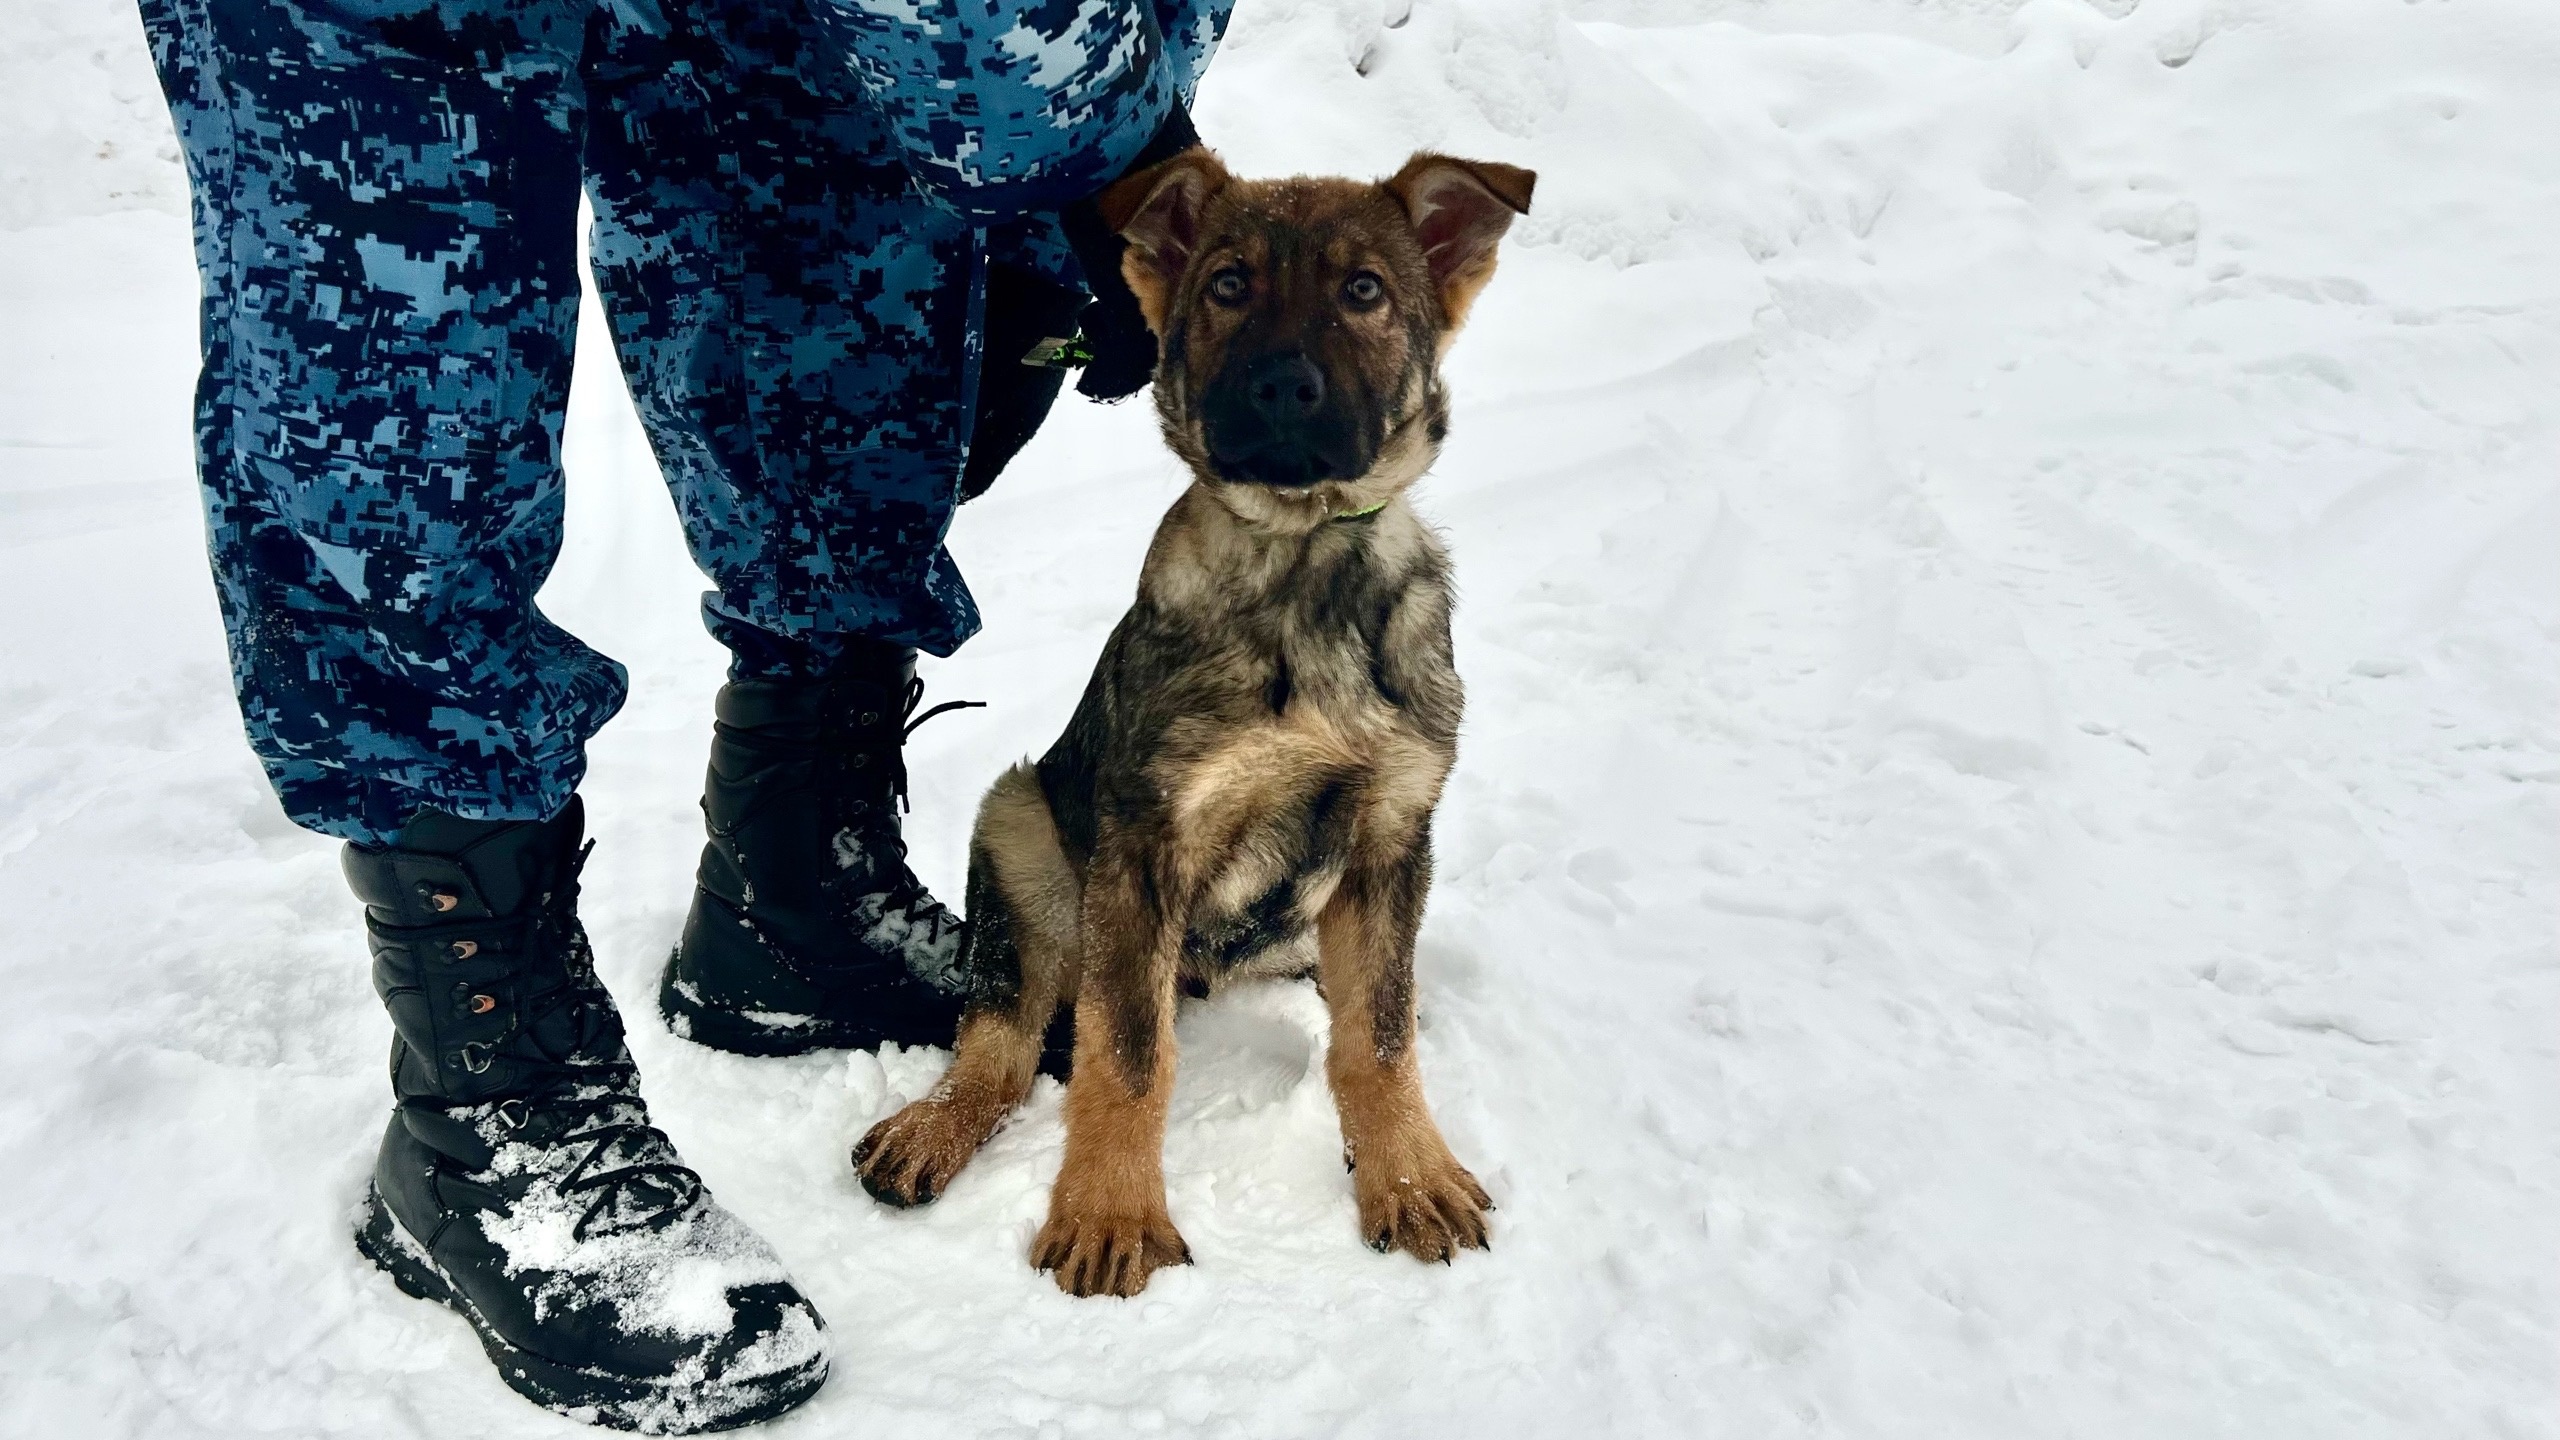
(1364, 514)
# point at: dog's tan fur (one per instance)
(1248, 785)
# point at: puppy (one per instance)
(1246, 789)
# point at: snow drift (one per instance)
(2000, 880)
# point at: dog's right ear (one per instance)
(1157, 211)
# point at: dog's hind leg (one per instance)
(1108, 1228)
(1023, 899)
(1412, 1193)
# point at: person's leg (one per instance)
(795, 324)
(386, 236)
(796, 327)
(385, 208)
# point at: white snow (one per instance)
(2001, 878)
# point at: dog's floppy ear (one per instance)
(1157, 211)
(1459, 209)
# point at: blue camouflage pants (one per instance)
(795, 203)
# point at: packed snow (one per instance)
(2000, 879)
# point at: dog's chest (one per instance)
(1300, 720)
(1270, 812)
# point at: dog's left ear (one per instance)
(1157, 211)
(1459, 210)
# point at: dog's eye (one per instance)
(1364, 289)
(1230, 286)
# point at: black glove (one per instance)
(1024, 308)
(1123, 349)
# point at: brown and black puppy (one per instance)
(1247, 788)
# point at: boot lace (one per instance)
(851, 750)
(585, 1086)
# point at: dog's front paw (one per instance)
(911, 1157)
(1428, 1207)
(1107, 1253)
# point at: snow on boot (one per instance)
(521, 1182)
(808, 930)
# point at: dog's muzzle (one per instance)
(1274, 421)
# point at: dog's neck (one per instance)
(1208, 555)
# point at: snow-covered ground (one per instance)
(2002, 879)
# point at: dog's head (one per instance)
(1301, 322)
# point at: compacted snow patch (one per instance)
(1999, 880)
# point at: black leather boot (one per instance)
(521, 1183)
(808, 930)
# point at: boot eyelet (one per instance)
(437, 900)
(476, 1057)
(514, 1114)
(462, 949)
(481, 1004)
(870, 717)
(860, 760)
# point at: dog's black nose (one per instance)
(1285, 388)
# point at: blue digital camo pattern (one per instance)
(794, 204)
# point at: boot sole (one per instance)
(592, 1397)
(718, 940)
(688, 1017)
